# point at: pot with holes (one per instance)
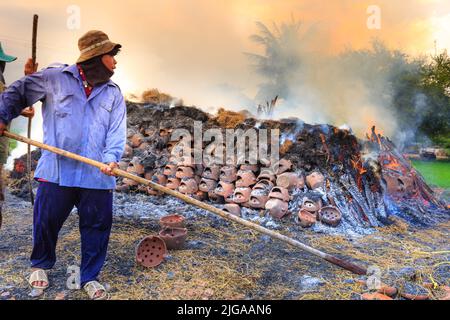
(150, 252)
(330, 215)
(174, 237)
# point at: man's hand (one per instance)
(30, 67)
(28, 112)
(2, 128)
(108, 169)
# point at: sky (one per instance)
(193, 49)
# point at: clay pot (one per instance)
(245, 178)
(188, 186)
(224, 189)
(135, 168)
(246, 167)
(123, 165)
(282, 166)
(122, 188)
(174, 237)
(258, 198)
(129, 182)
(173, 183)
(207, 185)
(151, 251)
(264, 185)
(200, 195)
(311, 206)
(277, 208)
(213, 197)
(375, 296)
(170, 170)
(290, 180)
(266, 174)
(128, 152)
(159, 179)
(184, 172)
(279, 193)
(242, 194)
(172, 221)
(136, 140)
(228, 174)
(144, 146)
(330, 215)
(232, 208)
(315, 180)
(306, 219)
(211, 172)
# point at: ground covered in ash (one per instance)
(222, 260)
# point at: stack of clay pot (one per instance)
(312, 211)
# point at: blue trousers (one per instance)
(52, 207)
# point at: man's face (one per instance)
(109, 62)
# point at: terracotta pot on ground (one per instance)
(174, 238)
(279, 193)
(173, 183)
(170, 170)
(258, 198)
(213, 197)
(188, 186)
(224, 189)
(172, 221)
(245, 178)
(290, 180)
(306, 219)
(207, 185)
(267, 174)
(242, 194)
(282, 166)
(315, 180)
(264, 185)
(277, 208)
(232, 208)
(228, 174)
(128, 152)
(184, 172)
(200, 195)
(151, 251)
(211, 172)
(136, 140)
(330, 215)
(311, 205)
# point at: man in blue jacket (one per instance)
(83, 112)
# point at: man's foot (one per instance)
(38, 279)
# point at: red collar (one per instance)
(86, 86)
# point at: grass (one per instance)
(435, 172)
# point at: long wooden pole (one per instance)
(33, 57)
(334, 260)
